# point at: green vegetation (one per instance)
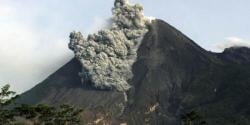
(11, 113)
(192, 118)
(6, 98)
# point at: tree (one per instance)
(192, 118)
(46, 115)
(39, 114)
(27, 112)
(67, 115)
(6, 98)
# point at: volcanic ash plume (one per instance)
(107, 56)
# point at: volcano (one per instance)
(172, 75)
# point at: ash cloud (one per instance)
(108, 55)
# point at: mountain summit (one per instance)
(172, 75)
(171, 72)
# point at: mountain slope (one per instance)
(172, 75)
(239, 55)
(64, 86)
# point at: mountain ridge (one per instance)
(172, 73)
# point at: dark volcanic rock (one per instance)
(172, 75)
(167, 61)
(64, 87)
(240, 55)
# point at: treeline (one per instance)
(23, 114)
(192, 118)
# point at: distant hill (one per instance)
(172, 75)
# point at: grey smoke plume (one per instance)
(107, 56)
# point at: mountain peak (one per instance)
(172, 74)
(237, 54)
(159, 74)
(237, 48)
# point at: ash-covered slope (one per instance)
(172, 75)
(167, 62)
(176, 75)
(240, 55)
(65, 87)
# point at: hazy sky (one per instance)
(34, 33)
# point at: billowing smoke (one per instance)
(107, 56)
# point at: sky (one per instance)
(34, 34)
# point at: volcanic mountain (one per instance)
(172, 75)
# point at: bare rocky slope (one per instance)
(172, 75)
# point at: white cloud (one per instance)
(4, 10)
(27, 55)
(34, 39)
(230, 42)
